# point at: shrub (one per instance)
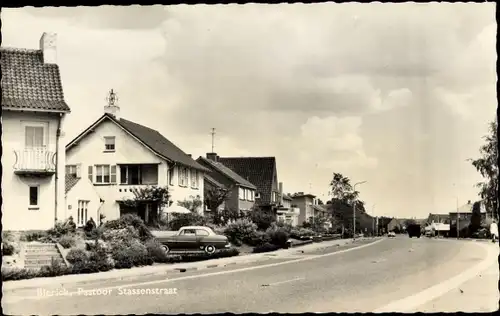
(263, 219)
(90, 225)
(278, 236)
(7, 236)
(56, 268)
(59, 229)
(121, 234)
(190, 219)
(67, 241)
(34, 236)
(267, 247)
(77, 255)
(259, 238)
(129, 255)
(242, 230)
(156, 251)
(130, 220)
(8, 249)
(12, 274)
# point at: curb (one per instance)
(162, 270)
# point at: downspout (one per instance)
(56, 191)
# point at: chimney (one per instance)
(48, 47)
(280, 186)
(112, 107)
(468, 202)
(190, 156)
(212, 156)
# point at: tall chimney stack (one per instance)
(212, 156)
(48, 46)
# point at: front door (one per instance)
(187, 240)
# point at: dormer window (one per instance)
(109, 143)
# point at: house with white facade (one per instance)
(82, 200)
(286, 211)
(33, 157)
(119, 157)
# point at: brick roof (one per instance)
(228, 173)
(70, 181)
(259, 170)
(30, 84)
(151, 138)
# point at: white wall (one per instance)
(83, 190)
(90, 151)
(15, 189)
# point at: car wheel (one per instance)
(210, 249)
(166, 248)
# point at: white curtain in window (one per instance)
(34, 136)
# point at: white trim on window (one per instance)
(109, 143)
(34, 197)
(71, 169)
(183, 177)
(105, 174)
(241, 194)
(82, 212)
(32, 131)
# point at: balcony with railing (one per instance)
(35, 161)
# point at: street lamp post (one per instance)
(354, 211)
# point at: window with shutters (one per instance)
(171, 175)
(105, 174)
(183, 177)
(71, 170)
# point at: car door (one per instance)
(187, 239)
(201, 235)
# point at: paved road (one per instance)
(360, 280)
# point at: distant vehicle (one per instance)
(414, 230)
(192, 238)
(391, 234)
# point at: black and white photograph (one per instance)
(249, 158)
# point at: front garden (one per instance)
(128, 242)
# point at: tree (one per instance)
(341, 188)
(475, 221)
(344, 198)
(194, 204)
(214, 198)
(320, 202)
(153, 195)
(487, 166)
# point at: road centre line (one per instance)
(190, 277)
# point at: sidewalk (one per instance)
(161, 269)
(479, 294)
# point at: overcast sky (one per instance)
(398, 95)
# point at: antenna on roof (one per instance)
(213, 138)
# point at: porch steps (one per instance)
(37, 255)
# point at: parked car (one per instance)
(391, 234)
(192, 238)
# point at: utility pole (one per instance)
(213, 138)
(458, 220)
(354, 211)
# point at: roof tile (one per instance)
(29, 83)
(70, 181)
(258, 170)
(227, 172)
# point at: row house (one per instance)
(261, 172)
(33, 115)
(119, 157)
(242, 192)
(286, 211)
